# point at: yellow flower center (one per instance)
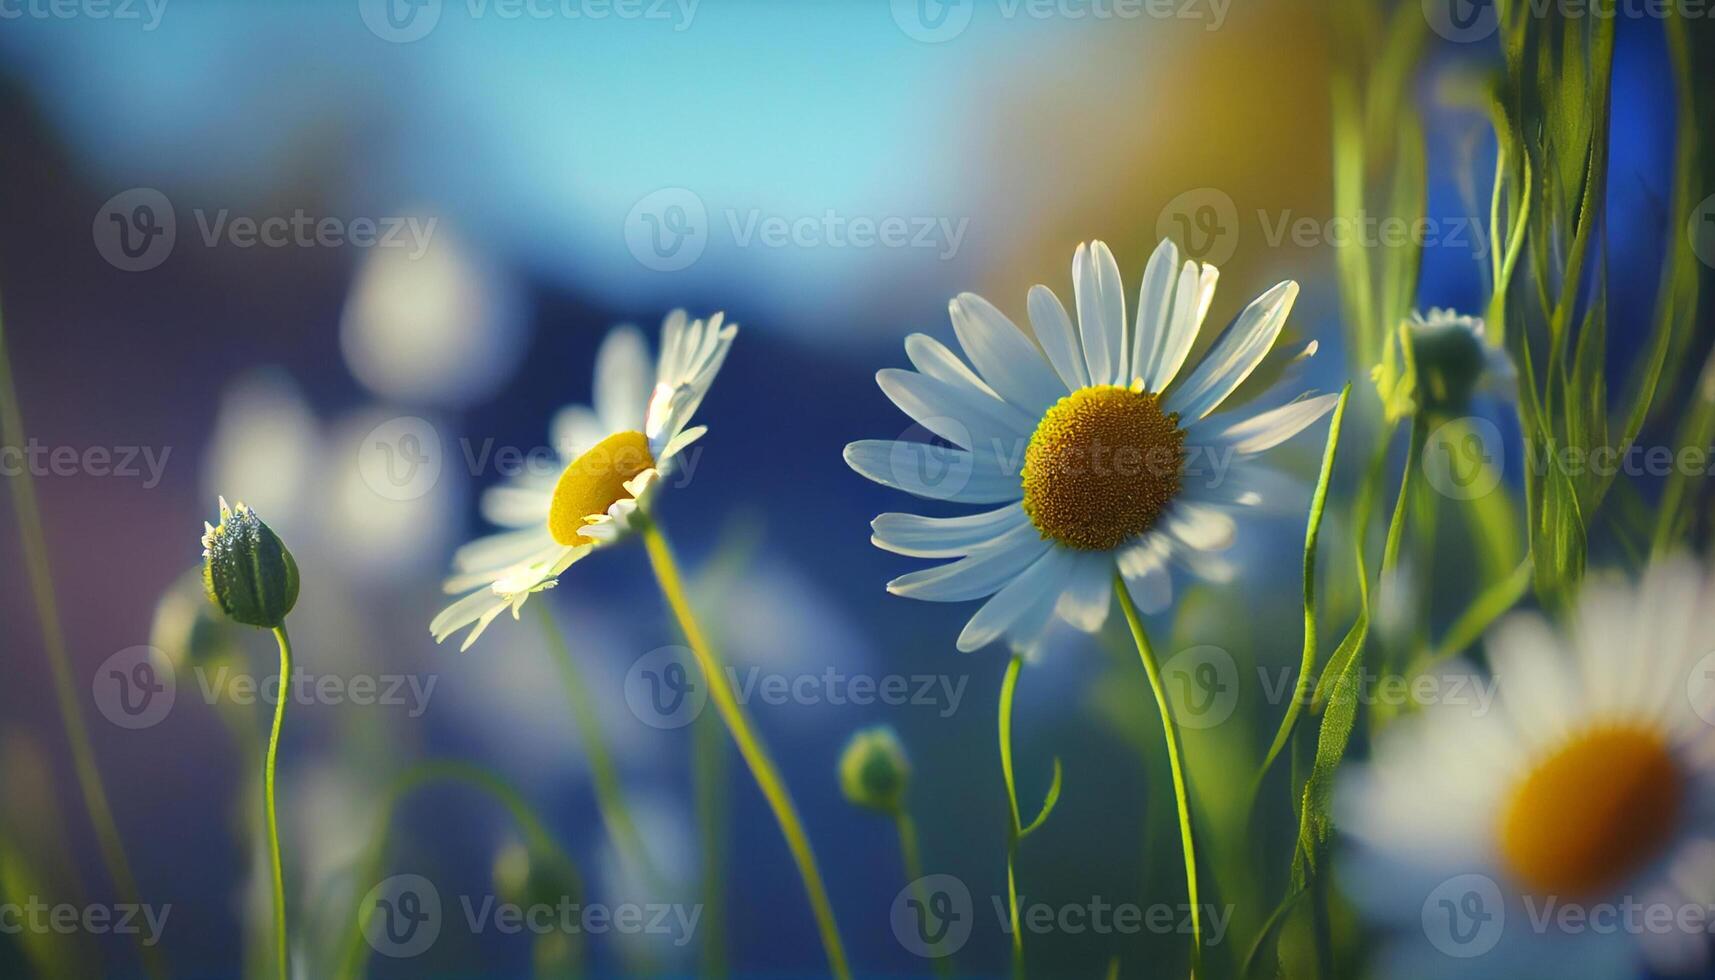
(1592, 813)
(594, 482)
(1101, 466)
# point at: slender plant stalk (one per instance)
(35, 547)
(610, 797)
(537, 837)
(1014, 829)
(270, 803)
(1175, 759)
(913, 861)
(762, 767)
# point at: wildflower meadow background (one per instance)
(345, 261)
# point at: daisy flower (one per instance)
(1569, 828)
(613, 458)
(1096, 438)
(1456, 361)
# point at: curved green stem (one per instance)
(610, 798)
(1175, 759)
(538, 839)
(913, 862)
(35, 547)
(1014, 829)
(762, 767)
(274, 863)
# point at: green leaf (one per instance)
(1048, 804)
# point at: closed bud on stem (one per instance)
(874, 770)
(247, 571)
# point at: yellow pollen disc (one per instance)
(1102, 466)
(594, 481)
(1593, 813)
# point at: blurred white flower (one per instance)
(442, 327)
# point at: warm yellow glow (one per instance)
(1593, 813)
(1102, 466)
(594, 481)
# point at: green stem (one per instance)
(750, 747)
(270, 804)
(35, 547)
(1175, 759)
(538, 840)
(913, 861)
(610, 797)
(1014, 829)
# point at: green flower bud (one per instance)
(190, 631)
(874, 769)
(1454, 361)
(526, 878)
(247, 571)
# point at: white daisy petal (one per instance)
(931, 357)
(943, 537)
(1146, 577)
(1025, 603)
(1235, 355)
(576, 428)
(1003, 355)
(462, 613)
(1541, 697)
(1200, 526)
(514, 506)
(497, 550)
(1154, 307)
(978, 574)
(935, 472)
(1192, 296)
(1084, 602)
(1101, 317)
(1248, 483)
(622, 379)
(1059, 340)
(955, 414)
(1265, 430)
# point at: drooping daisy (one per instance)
(1096, 439)
(1566, 829)
(614, 457)
(1456, 361)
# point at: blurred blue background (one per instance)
(572, 172)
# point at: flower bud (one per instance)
(1454, 361)
(247, 571)
(874, 769)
